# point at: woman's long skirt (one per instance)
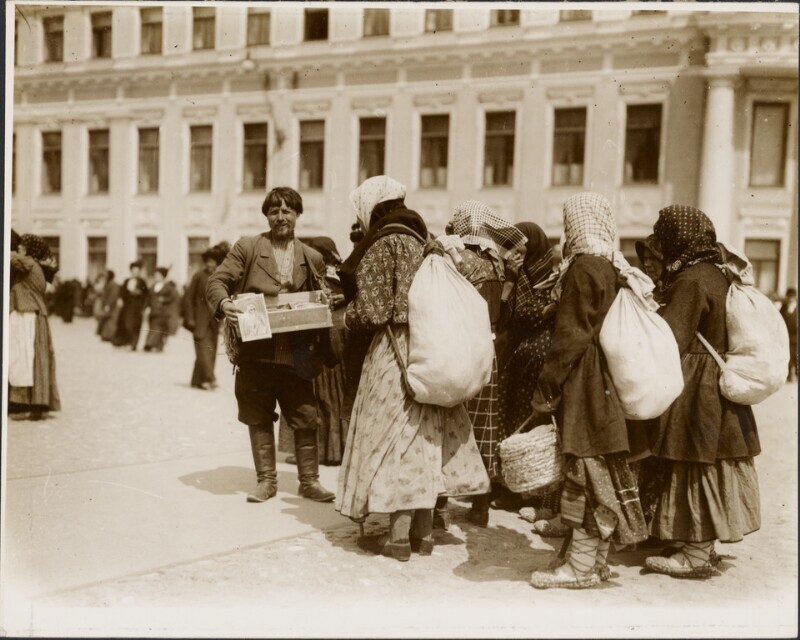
(600, 496)
(157, 333)
(205, 357)
(400, 454)
(484, 414)
(704, 502)
(43, 395)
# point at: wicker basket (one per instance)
(532, 461)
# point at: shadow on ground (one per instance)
(221, 481)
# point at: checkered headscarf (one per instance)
(590, 228)
(478, 224)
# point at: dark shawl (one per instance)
(392, 212)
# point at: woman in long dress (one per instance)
(705, 443)
(400, 454)
(32, 365)
(483, 236)
(162, 297)
(529, 316)
(599, 500)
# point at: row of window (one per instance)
(641, 159)
(315, 27)
(764, 254)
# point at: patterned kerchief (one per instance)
(478, 224)
(687, 237)
(374, 191)
(589, 226)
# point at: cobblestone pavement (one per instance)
(481, 573)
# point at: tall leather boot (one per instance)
(305, 449)
(262, 442)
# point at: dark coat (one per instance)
(575, 379)
(702, 425)
(161, 303)
(197, 317)
(250, 267)
(28, 287)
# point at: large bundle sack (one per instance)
(451, 346)
(757, 360)
(642, 355)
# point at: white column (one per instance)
(717, 183)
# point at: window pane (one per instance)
(148, 160)
(51, 162)
(257, 27)
(642, 143)
(433, 151)
(312, 153)
(197, 246)
(54, 38)
(572, 15)
(54, 244)
(98, 161)
(200, 179)
(502, 17)
(101, 35)
(568, 146)
(255, 156)
(203, 28)
(316, 24)
(147, 253)
(499, 149)
(151, 30)
(376, 22)
(438, 20)
(768, 146)
(372, 148)
(765, 257)
(96, 257)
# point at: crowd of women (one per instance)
(684, 480)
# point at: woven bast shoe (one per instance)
(534, 514)
(603, 571)
(551, 528)
(563, 577)
(673, 567)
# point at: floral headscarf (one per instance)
(374, 191)
(590, 228)
(687, 237)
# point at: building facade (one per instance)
(155, 131)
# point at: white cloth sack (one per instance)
(21, 337)
(451, 346)
(757, 361)
(642, 356)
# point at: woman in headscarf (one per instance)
(32, 366)
(329, 385)
(398, 457)
(485, 239)
(652, 260)
(529, 316)
(706, 443)
(599, 500)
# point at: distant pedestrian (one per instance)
(789, 313)
(110, 309)
(198, 319)
(32, 367)
(162, 297)
(133, 300)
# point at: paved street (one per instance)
(125, 513)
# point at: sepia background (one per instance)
(152, 131)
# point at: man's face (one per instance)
(653, 267)
(282, 221)
(210, 265)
